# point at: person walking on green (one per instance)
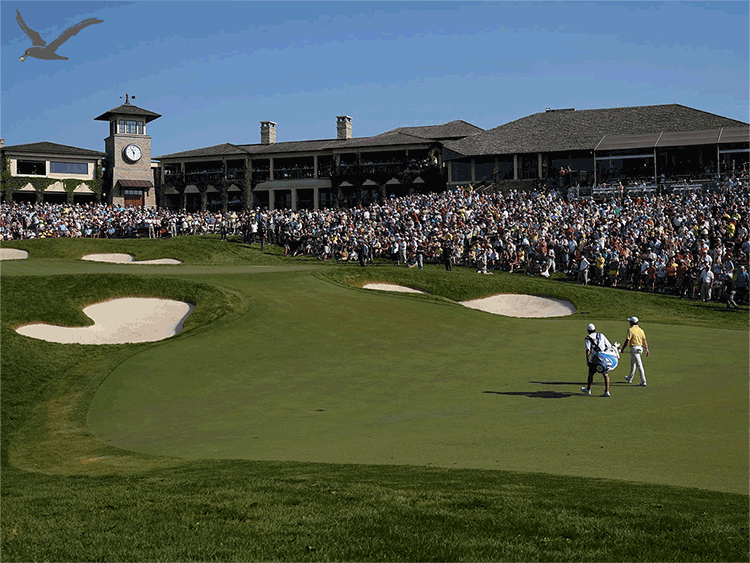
(638, 343)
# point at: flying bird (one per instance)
(41, 50)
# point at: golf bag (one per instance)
(605, 358)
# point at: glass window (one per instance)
(484, 167)
(131, 126)
(460, 171)
(140, 127)
(529, 165)
(69, 168)
(31, 168)
(122, 126)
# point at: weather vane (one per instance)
(127, 98)
(41, 50)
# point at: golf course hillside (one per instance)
(310, 411)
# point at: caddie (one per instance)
(596, 342)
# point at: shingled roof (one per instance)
(128, 109)
(229, 149)
(568, 130)
(452, 130)
(45, 148)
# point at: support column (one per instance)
(473, 170)
(315, 167)
(316, 191)
(270, 168)
(294, 199)
(515, 167)
(270, 200)
(539, 166)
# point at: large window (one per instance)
(484, 167)
(529, 165)
(31, 168)
(122, 126)
(69, 168)
(460, 171)
(131, 126)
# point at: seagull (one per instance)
(41, 50)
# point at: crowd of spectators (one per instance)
(662, 243)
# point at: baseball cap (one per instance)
(633, 320)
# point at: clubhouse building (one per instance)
(656, 145)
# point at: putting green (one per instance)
(319, 372)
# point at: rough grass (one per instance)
(250, 511)
(204, 249)
(463, 284)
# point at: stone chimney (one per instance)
(343, 127)
(267, 132)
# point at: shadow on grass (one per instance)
(536, 394)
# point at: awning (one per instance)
(143, 184)
(734, 135)
(684, 138)
(56, 187)
(626, 142)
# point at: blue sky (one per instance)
(214, 70)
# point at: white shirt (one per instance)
(604, 344)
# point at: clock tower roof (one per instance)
(127, 109)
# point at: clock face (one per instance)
(132, 153)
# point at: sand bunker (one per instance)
(522, 306)
(508, 304)
(391, 287)
(119, 321)
(13, 254)
(126, 259)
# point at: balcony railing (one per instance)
(212, 177)
(235, 173)
(293, 173)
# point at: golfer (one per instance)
(638, 343)
(595, 342)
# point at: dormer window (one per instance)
(128, 126)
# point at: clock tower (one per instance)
(128, 179)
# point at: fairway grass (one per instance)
(299, 417)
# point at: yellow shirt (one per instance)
(636, 336)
